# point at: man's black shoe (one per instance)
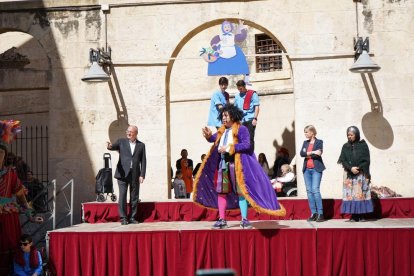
(124, 222)
(133, 221)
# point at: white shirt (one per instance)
(229, 139)
(132, 145)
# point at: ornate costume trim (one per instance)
(197, 178)
(239, 174)
(242, 185)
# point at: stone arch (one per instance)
(66, 158)
(25, 76)
(27, 45)
(169, 72)
(35, 24)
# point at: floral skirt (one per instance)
(356, 198)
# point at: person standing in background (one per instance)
(219, 99)
(282, 157)
(184, 156)
(197, 167)
(248, 102)
(313, 167)
(263, 162)
(179, 186)
(185, 165)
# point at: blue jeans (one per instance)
(313, 184)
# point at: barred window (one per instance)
(266, 45)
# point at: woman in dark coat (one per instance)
(313, 168)
(355, 159)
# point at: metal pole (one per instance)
(356, 14)
(54, 204)
(47, 244)
(106, 34)
(71, 201)
(47, 153)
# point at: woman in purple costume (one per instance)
(230, 176)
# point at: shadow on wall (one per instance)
(288, 138)
(118, 127)
(377, 130)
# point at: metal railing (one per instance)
(32, 145)
(52, 219)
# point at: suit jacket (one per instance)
(138, 158)
(317, 160)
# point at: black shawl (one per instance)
(355, 154)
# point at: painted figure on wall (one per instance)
(224, 56)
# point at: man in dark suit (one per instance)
(130, 170)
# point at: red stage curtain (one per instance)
(355, 252)
(187, 211)
(249, 252)
(114, 254)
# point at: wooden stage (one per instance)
(272, 247)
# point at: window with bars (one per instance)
(266, 45)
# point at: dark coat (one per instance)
(317, 160)
(139, 161)
(355, 155)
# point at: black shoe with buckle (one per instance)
(313, 217)
(124, 221)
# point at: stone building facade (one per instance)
(159, 82)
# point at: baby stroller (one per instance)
(104, 184)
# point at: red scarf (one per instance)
(34, 260)
(227, 97)
(248, 99)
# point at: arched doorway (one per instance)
(188, 92)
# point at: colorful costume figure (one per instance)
(10, 186)
(9, 217)
(234, 177)
(228, 58)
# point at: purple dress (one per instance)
(252, 181)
